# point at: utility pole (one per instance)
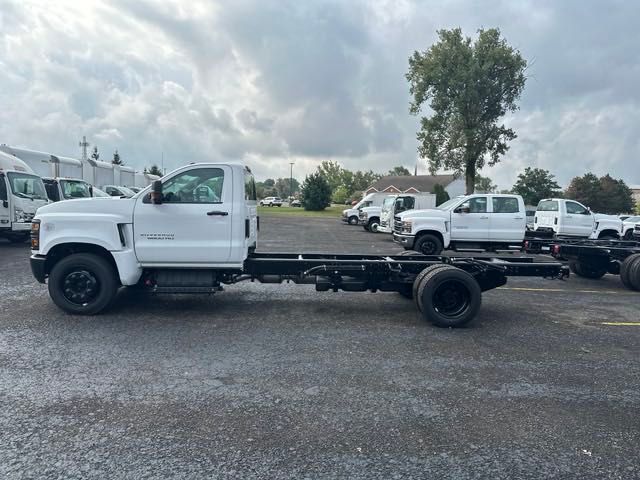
(291, 182)
(84, 144)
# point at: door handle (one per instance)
(484, 218)
(217, 213)
(518, 218)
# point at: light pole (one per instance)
(291, 182)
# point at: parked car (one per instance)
(97, 193)
(135, 189)
(271, 202)
(295, 203)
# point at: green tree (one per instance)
(94, 154)
(270, 183)
(534, 184)
(154, 170)
(283, 187)
(116, 159)
(441, 194)
(340, 195)
(615, 196)
(484, 184)
(470, 86)
(332, 172)
(363, 180)
(316, 192)
(399, 172)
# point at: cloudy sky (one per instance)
(273, 82)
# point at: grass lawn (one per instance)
(332, 211)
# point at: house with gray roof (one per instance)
(418, 184)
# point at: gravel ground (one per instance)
(267, 381)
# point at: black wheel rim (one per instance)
(428, 248)
(451, 298)
(374, 227)
(80, 287)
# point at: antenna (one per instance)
(84, 144)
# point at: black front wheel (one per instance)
(18, 237)
(83, 284)
(428, 245)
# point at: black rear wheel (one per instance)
(450, 297)
(587, 270)
(83, 284)
(630, 271)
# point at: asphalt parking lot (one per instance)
(279, 381)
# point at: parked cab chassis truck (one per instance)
(594, 258)
(195, 230)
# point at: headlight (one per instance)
(407, 226)
(19, 215)
(35, 235)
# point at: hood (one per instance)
(429, 212)
(122, 207)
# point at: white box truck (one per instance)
(380, 219)
(562, 217)
(21, 194)
(352, 215)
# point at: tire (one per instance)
(628, 269)
(628, 235)
(608, 237)
(583, 269)
(353, 220)
(450, 297)
(83, 284)
(418, 280)
(373, 225)
(366, 227)
(428, 244)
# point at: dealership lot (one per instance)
(268, 381)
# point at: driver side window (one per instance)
(200, 185)
(475, 205)
(576, 208)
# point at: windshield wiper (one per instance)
(23, 195)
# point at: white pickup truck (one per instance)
(480, 221)
(196, 229)
(568, 218)
(380, 219)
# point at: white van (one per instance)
(21, 194)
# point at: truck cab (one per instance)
(479, 221)
(59, 189)
(352, 215)
(403, 203)
(564, 217)
(21, 194)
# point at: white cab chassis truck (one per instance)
(380, 219)
(196, 229)
(567, 218)
(352, 215)
(479, 221)
(21, 194)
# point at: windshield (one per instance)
(74, 189)
(633, 219)
(448, 204)
(99, 193)
(548, 206)
(24, 185)
(127, 191)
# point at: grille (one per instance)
(28, 217)
(397, 225)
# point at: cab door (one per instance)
(5, 210)
(470, 220)
(192, 225)
(577, 219)
(507, 222)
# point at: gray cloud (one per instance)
(278, 81)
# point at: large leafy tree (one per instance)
(534, 184)
(485, 184)
(316, 192)
(284, 186)
(603, 195)
(468, 86)
(332, 172)
(399, 172)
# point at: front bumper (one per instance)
(38, 267)
(406, 241)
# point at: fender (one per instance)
(432, 225)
